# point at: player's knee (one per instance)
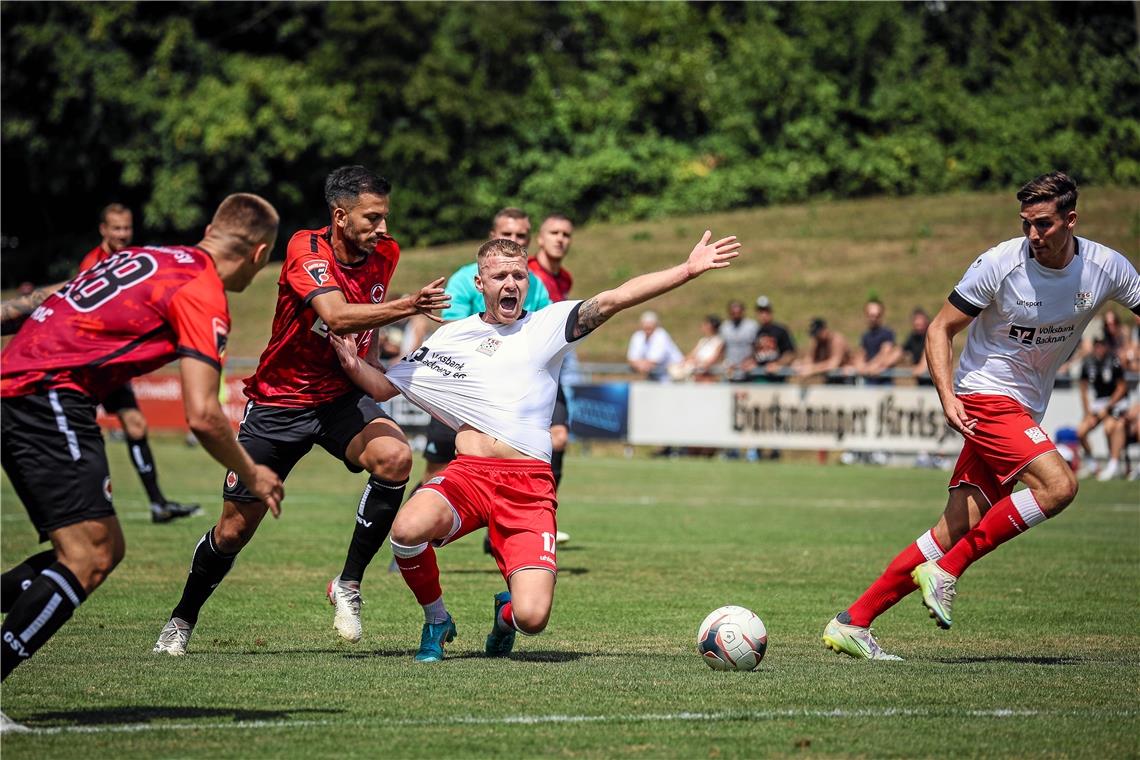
(1058, 493)
(388, 459)
(134, 424)
(231, 535)
(531, 616)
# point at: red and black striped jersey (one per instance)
(135, 311)
(299, 367)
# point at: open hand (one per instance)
(718, 255)
(431, 297)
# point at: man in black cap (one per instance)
(774, 348)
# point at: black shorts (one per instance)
(440, 447)
(53, 454)
(278, 436)
(561, 414)
(119, 399)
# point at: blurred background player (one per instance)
(500, 405)
(1026, 302)
(118, 320)
(116, 228)
(333, 281)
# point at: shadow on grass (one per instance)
(135, 714)
(1011, 659)
(525, 656)
(492, 570)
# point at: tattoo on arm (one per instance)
(13, 312)
(590, 317)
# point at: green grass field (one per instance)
(1043, 659)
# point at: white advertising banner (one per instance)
(813, 417)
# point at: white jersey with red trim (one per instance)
(501, 380)
(1030, 317)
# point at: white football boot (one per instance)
(174, 639)
(346, 598)
(854, 641)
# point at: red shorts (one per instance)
(1005, 440)
(513, 498)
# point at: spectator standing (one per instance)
(652, 350)
(739, 334)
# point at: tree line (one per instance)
(603, 111)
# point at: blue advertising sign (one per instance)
(599, 410)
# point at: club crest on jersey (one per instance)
(377, 293)
(1083, 300)
(489, 346)
(231, 480)
(221, 335)
(318, 270)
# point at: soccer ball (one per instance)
(732, 638)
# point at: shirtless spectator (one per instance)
(914, 349)
(828, 351)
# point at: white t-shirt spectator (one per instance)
(658, 348)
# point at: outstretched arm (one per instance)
(705, 256)
(13, 312)
(344, 318)
(368, 378)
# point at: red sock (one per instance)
(1010, 517)
(507, 615)
(421, 573)
(895, 582)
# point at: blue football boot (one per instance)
(434, 636)
(500, 642)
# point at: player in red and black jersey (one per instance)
(136, 311)
(334, 280)
(554, 238)
(116, 227)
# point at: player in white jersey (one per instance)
(493, 378)
(1026, 302)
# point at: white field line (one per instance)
(533, 720)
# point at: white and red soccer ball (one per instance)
(732, 638)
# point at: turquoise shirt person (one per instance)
(466, 300)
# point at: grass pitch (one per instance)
(1042, 661)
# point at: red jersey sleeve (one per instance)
(93, 257)
(308, 266)
(200, 317)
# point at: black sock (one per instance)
(39, 612)
(207, 570)
(16, 581)
(556, 466)
(143, 461)
(374, 518)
